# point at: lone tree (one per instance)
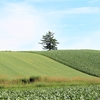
(49, 42)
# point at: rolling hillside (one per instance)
(87, 61)
(22, 64)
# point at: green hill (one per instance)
(87, 61)
(22, 64)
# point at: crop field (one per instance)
(59, 78)
(15, 65)
(87, 61)
(53, 93)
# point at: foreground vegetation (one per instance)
(37, 81)
(87, 61)
(53, 93)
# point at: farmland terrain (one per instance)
(87, 61)
(15, 65)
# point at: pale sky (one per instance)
(76, 23)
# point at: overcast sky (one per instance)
(76, 23)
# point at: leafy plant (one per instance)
(57, 93)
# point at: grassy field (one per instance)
(87, 61)
(14, 65)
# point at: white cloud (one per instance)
(22, 26)
(81, 10)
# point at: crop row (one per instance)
(58, 93)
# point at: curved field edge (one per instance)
(87, 61)
(15, 65)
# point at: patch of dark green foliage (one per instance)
(32, 79)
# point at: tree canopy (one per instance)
(49, 42)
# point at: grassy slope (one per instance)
(20, 64)
(87, 61)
